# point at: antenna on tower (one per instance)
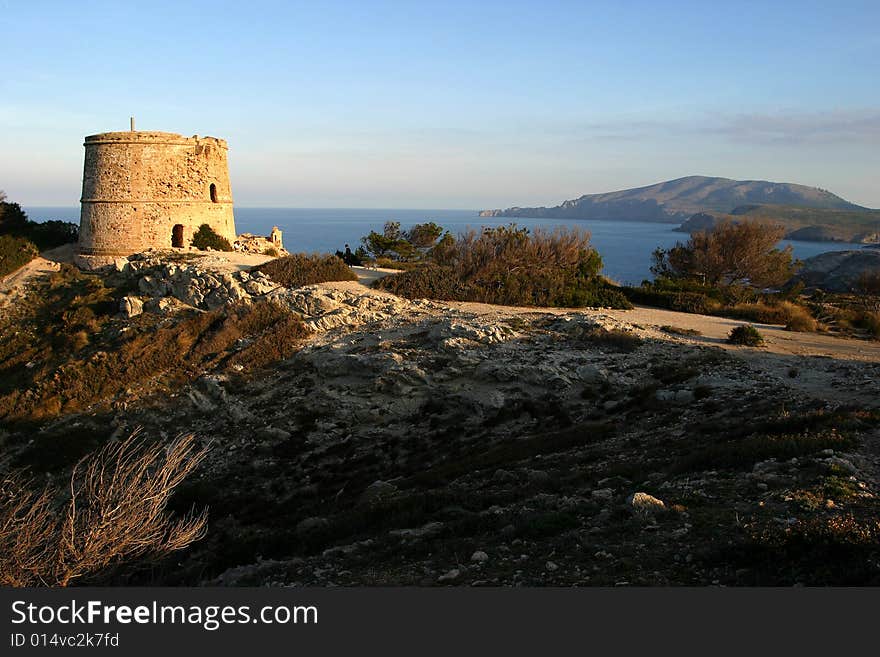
(132, 123)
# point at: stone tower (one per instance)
(146, 190)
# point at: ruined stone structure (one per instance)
(146, 190)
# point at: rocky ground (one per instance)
(421, 443)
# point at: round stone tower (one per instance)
(146, 190)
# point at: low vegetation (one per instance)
(299, 269)
(15, 252)
(745, 335)
(791, 315)
(112, 512)
(678, 330)
(509, 265)
(725, 271)
(206, 238)
(66, 350)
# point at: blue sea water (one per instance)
(626, 246)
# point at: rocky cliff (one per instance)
(839, 271)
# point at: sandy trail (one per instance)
(713, 330)
(15, 284)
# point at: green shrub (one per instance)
(685, 302)
(677, 294)
(15, 252)
(205, 238)
(299, 269)
(746, 335)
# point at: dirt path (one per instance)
(13, 285)
(713, 330)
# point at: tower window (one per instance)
(213, 193)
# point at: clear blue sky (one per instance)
(445, 104)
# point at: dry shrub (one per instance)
(869, 320)
(799, 319)
(114, 513)
(299, 269)
(729, 253)
(509, 265)
(793, 316)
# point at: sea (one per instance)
(625, 246)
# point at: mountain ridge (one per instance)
(676, 200)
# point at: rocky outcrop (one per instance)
(839, 271)
(700, 221)
(814, 234)
(197, 287)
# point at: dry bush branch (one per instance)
(116, 513)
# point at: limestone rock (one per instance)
(645, 504)
(131, 306)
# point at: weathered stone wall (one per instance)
(137, 186)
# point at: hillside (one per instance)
(676, 200)
(361, 439)
(801, 223)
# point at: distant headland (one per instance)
(809, 213)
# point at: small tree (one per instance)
(389, 241)
(424, 236)
(729, 254)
